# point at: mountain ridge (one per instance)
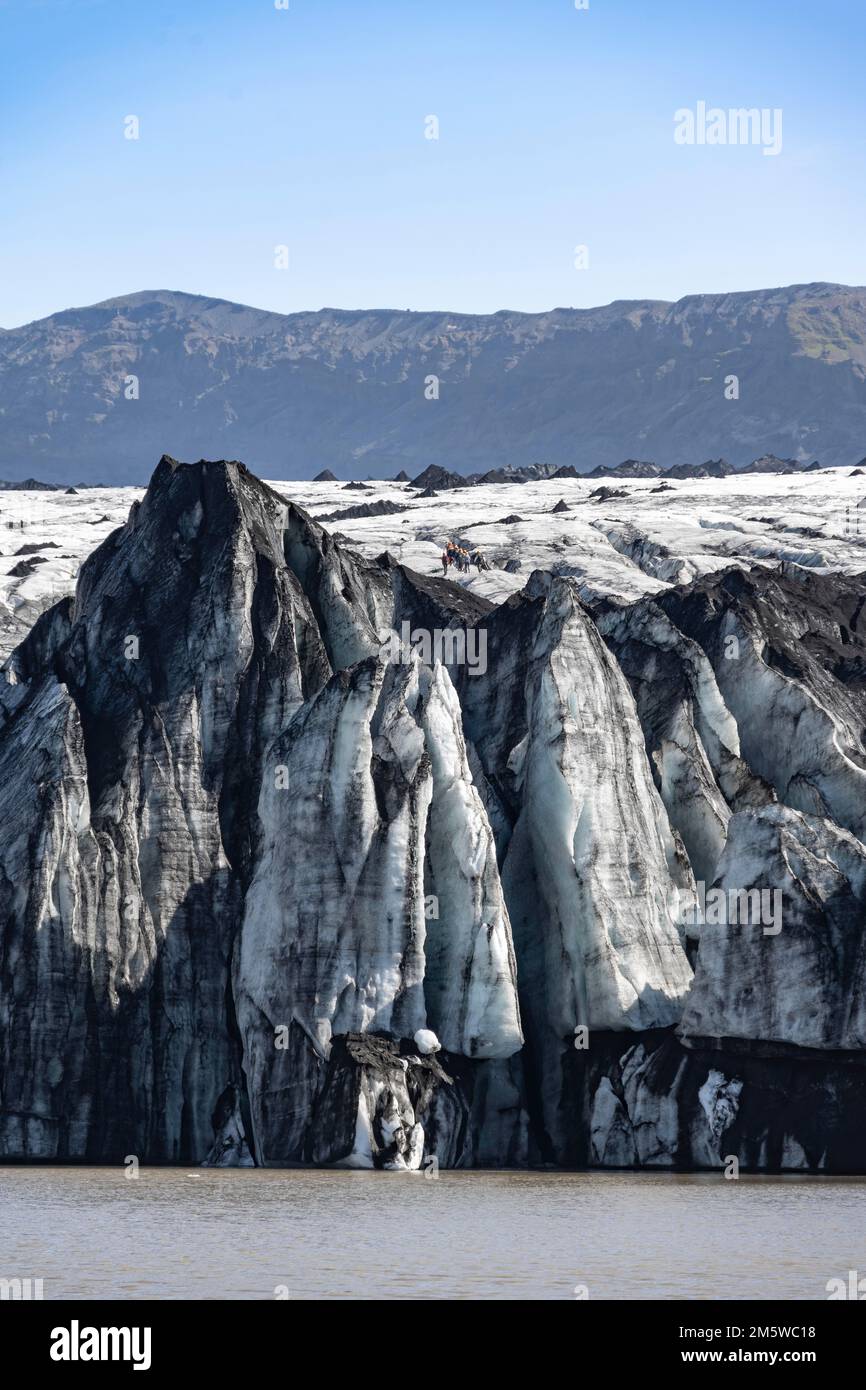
(138, 297)
(376, 390)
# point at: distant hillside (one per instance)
(294, 394)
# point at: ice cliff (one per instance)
(274, 889)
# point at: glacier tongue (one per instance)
(273, 891)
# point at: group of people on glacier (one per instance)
(462, 559)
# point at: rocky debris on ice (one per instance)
(719, 1098)
(382, 1105)
(230, 1148)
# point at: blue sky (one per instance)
(305, 128)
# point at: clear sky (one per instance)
(262, 127)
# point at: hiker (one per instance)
(478, 560)
(446, 561)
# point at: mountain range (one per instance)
(93, 394)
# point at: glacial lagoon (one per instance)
(294, 1234)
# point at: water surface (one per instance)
(242, 1234)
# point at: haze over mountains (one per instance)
(345, 390)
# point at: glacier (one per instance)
(274, 890)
